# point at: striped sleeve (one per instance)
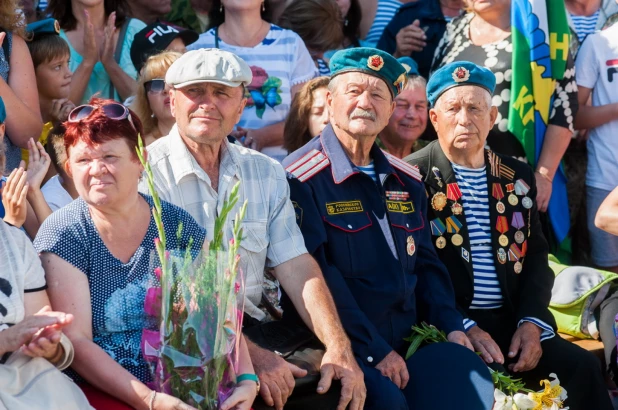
(547, 333)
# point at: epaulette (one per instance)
(404, 167)
(308, 165)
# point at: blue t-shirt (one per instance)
(117, 290)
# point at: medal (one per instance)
(498, 193)
(411, 246)
(501, 256)
(438, 202)
(517, 222)
(454, 193)
(513, 200)
(515, 254)
(522, 188)
(502, 226)
(437, 229)
(453, 226)
(437, 175)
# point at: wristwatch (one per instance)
(251, 377)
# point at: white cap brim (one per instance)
(227, 83)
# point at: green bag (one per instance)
(577, 292)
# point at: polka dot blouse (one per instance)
(456, 46)
(117, 290)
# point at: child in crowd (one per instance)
(59, 189)
(50, 55)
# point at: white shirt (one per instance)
(272, 236)
(597, 69)
(21, 273)
(55, 194)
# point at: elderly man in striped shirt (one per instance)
(486, 229)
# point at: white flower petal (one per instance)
(523, 402)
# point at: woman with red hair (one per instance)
(96, 254)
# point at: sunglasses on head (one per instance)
(156, 85)
(113, 111)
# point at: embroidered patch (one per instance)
(375, 62)
(401, 82)
(346, 207)
(400, 207)
(299, 213)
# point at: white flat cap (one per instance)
(209, 65)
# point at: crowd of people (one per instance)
(386, 187)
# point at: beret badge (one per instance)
(400, 83)
(375, 62)
(461, 74)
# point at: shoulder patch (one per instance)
(308, 165)
(404, 167)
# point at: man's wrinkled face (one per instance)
(463, 117)
(359, 104)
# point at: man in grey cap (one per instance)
(195, 166)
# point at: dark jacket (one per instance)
(526, 294)
(346, 218)
(430, 15)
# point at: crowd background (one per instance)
(121, 50)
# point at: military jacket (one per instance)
(372, 242)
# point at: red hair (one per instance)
(97, 128)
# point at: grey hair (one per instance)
(415, 81)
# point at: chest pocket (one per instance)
(404, 216)
(349, 243)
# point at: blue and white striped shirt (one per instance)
(585, 25)
(369, 170)
(384, 14)
(487, 292)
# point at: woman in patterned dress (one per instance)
(483, 36)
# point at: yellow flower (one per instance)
(552, 397)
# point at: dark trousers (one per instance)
(300, 347)
(578, 370)
(607, 317)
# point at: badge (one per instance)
(519, 237)
(397, 195)
(518, 222)
(457, 208)
(465, 254)
(375, 62)
(299, 213)
(513, 200)
(411, 246)
(498, 193)
(518, 267)
(501, 256)
(503, 240)
(344, 207)
(461, 74)
(526, 202)
(441, 242)
(522, 188)
(438, 176)
(438, 202)
(515, 254)
(401, 82)
(457, 239)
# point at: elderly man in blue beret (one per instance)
(362, 213)
(485, 225)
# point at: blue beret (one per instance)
(370, 61)
(43, 27)
(459, 73)
(2, 111)
(410, 65)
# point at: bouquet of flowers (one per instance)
(509, 393)
(194, 353)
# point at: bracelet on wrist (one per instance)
(544, 175)
(152, 399)
(250, 377)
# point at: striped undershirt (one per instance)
(369, 170)
(384, 14)
(487, 292)
(473, 186)
(585, 25)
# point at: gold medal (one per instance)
(457, 239)
(503, 240)
(411, 246)
(500, 207)
(438, 202)
(513, 200)
(519, 237)
(441, 242)
(457, 208)
(502, 256)
(518, 267)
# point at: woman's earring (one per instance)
(221, 8)
(345, 23)
(263, 7)
(152, 115)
